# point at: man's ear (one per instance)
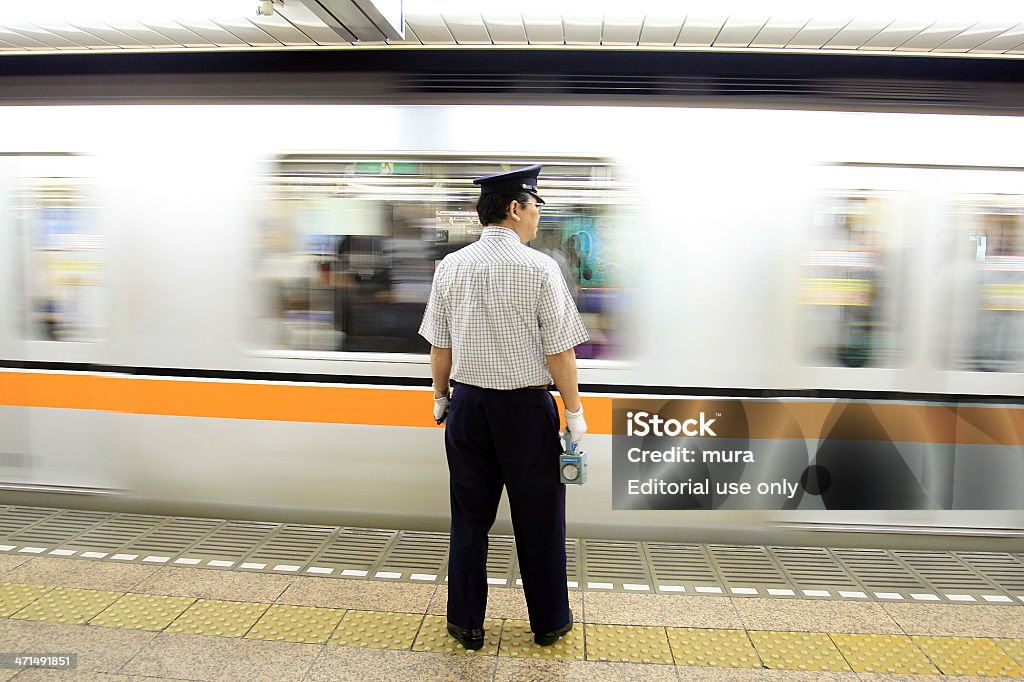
(513, 210)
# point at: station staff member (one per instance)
(502, 326)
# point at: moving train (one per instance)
(211, 308)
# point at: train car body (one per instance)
(750, 253)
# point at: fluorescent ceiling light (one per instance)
(74, 11)
(926, 10)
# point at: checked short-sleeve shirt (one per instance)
(501, 306)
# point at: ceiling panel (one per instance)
(303, 23)
(21, 41)
(248, 31)
(817, 32)
(281, 30)
(778, 32)
(975, 36)
(467, 29)
(661, 29)
(44, 36)
(895, 34)
(110, 34)
(178, 33)
(933, 36)
(739, 32)
(856, 33)
(1003, 42)
(700, 31)
(303, 19)
(76, 35)
(506, 28)
(431, 29)
(544, 28)
(143, 34)
(583, 29)
(410, 37)
(622, 28)
(218, 35)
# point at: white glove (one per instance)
(575, 426)
(441, 407)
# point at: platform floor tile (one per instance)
(968, 656)
(517, 641)
(715, 648)
(376, 630)
(14, 596)
(1013, 647)
(67, 605)
(433, 636)
(798, 651)
(218, 618)
(884, 654)
(142, 612)
(632, 643)
(302, 624)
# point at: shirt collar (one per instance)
(496, 231)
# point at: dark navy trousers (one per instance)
(506, 438)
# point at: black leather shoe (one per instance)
(549, 638)
(470, 639)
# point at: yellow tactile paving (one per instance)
(968, 656)
(306, 624)
(716, 648)
(218, 618)
(883, 654)
(434, 637)
(798, 651)
(67, 605)
(632, 643)
(1013, 647)
(377, 630)
(517, 641)
(14, 596)
(142, 612)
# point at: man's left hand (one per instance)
(441, 406)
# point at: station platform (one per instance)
(149, 597)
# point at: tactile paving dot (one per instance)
(434, 637)
(715, 648)
(883, 654)
(67, 605)
(798, 651)
(376, 630)
(632, 643)
(1014, 647)
(307, 624)
(968, 656)
(142, 612)
(517, 641)
(14, 596)
(218, 618)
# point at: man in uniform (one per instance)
(502, 326)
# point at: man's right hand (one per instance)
(575, 426)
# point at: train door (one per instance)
(58, 320)
(14, 419)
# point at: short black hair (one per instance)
(493, 208)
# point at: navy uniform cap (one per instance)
(522, 180)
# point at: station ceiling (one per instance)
(334, 24)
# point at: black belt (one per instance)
(545, 387)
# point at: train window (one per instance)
(850, 311)
(986, 331)
(348, 246)
(63, 267)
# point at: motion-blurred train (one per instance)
(212, 308)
